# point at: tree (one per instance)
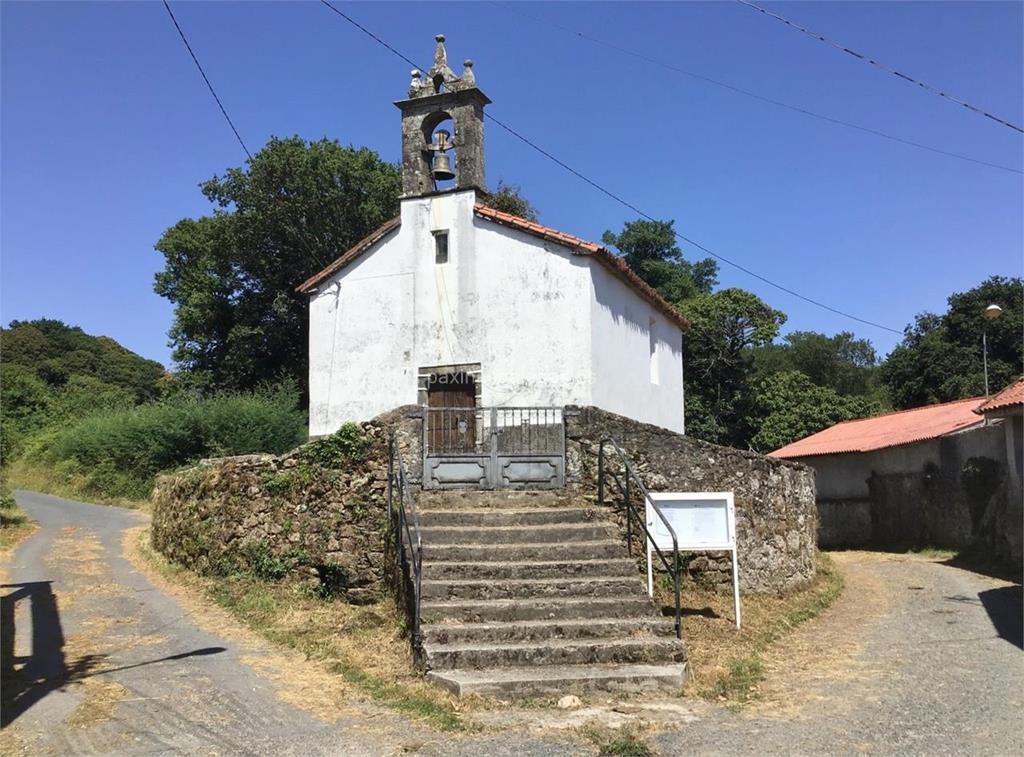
(717, 360)
(231, 275)
(940, 357)
(650, 249)
(508, 198)
(789, 406)
(841, 362)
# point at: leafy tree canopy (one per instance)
(650, 249)
(231, 275)
(53, 373)
(508, 198)
(940, 357)
(790, 406)
(842, 362)
(724, 327)
(55, 353)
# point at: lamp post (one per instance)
(991, 313)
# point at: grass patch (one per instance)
(626, 741)
(14, 524)
(934, 553)
(64, 482)
(364, 645)
(726, 662)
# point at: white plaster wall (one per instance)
(522, 308)
(621, 370)
(534, 314)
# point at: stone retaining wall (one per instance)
(288, 515)
(775, 508)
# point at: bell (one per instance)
(442, 170)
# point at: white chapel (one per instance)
(453, 303)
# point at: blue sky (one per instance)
(107, 129)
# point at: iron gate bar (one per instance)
(493, 446)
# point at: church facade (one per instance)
(456, 303)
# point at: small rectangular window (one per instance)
(440, 247)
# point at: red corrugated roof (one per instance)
(610, 260)
(1008, 397)
(890, 430)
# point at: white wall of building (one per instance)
(636, 359)
(546, 326)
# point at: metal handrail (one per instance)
(402, 506)
(624, 488)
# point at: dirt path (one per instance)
(915, 657)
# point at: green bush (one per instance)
(120, 452)
(345, 446)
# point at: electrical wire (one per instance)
(877, 64)
(778, 103)
(206, 79)
(622, 201)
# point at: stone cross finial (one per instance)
(440, 54)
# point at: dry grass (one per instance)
(14, 524)
(725, 662)
(26, 475)
(359, 652)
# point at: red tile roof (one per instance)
(890, 430)
(608, 259)
(1008, 397)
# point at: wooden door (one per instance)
(451, 414)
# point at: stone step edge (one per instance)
(461, 680)
(504, 510)
(595, 561)
(544, 623)
(520, 527)
(559, 601)
(526, 581)
(525, 545)
(611, 641)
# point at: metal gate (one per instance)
(493, 447)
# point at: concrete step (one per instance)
(477, 500)
(558, 533)
(557, 680)
(553, 652)
(537, 630)
(519, 516)
(531, 569)
(526, 588)
(596, 549)
(550, 608)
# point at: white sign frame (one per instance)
(723, 505)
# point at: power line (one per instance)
(779, 103)
(206, 79)
(888, 69)
(625, 203)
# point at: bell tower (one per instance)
(442, 129)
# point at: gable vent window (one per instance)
(440, 247)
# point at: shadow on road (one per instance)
(46, 669)
(1004, 607)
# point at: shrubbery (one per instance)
(119, 452)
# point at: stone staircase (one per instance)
(530, 594)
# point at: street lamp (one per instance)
(991, 313)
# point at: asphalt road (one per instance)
(915, 657)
